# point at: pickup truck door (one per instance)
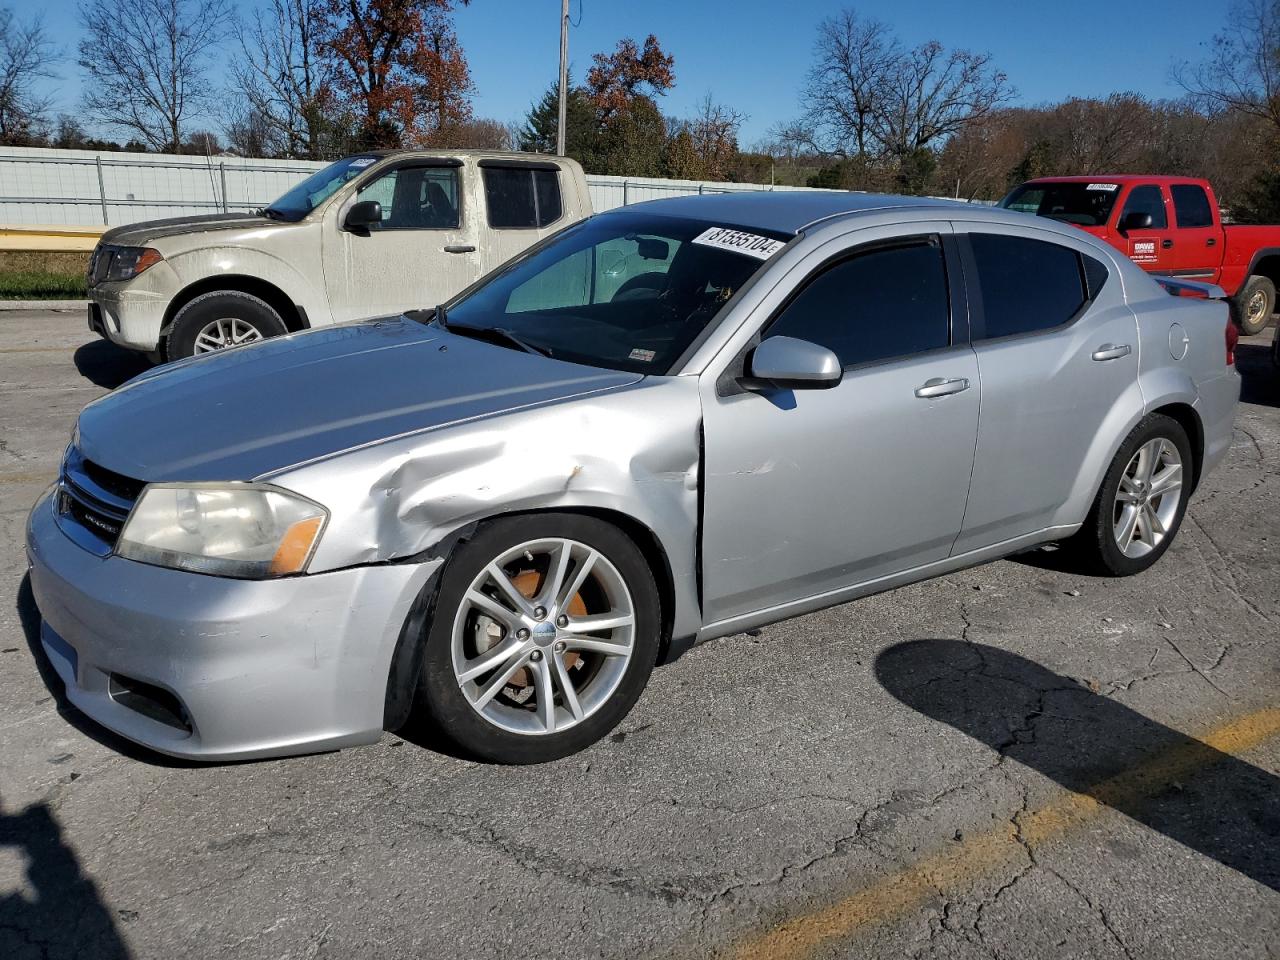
(523, 201)
(1152, 249)
(1197, 237)
(424, 250)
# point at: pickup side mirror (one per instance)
(793, 365)
(1133, 220)
(362, 216)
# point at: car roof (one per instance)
(791, 211)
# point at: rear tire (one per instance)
(1133, 519)
(486, 663)
(1253, 305)
(219, 320)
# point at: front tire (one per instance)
(546, 630)
(219, 320)
(1143, 499)
(1254, 304)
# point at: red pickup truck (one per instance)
(1169, 226)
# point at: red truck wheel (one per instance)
(1253, 305)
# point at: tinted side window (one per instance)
(1191, 205)
(521, 197)
(1027, 285)
(1095, 275)
(876, 305)
(1147, 199)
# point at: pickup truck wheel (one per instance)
(1254, 304)
(221, 319)
(545, 631)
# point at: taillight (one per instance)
(1233, 337)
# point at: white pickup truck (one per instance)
(370, 235)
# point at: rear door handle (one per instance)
(460, 248)
(1166, 244)
(1112, 351)
(1211, 242)
(941, 387)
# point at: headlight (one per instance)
(128, 262)
(240, 530)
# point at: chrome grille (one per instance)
(93, 502)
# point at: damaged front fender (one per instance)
(633, 451)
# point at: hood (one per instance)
(255, 410)
(141, 234)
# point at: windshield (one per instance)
(318, 187)
(1084, 204)
(627, 291)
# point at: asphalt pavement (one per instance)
(1015, 761)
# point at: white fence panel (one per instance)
(40, 186)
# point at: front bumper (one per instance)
(131, 312)
(251, 668)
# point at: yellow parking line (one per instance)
(907, 889)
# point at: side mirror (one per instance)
(362, 216)
(794, 365)
(1133, 220)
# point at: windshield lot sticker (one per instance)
(739, 241)
(1144, 251)
(1109, 187)
(363, 162)
(644, 356)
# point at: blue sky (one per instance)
(753, 54)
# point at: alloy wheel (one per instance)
(543, 636)
(1147, 501)
(226, 332)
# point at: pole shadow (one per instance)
(59, 913)
(1207, 800)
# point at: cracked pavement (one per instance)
(1015, 761)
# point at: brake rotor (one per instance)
(528, 582)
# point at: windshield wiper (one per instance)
(492, 333)
(269, 213)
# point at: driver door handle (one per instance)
(460, 248)
(941, 387)
(1112, 351)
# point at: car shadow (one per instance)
(1259, 377)
(1207, 800)
(29, 618)
(106, 365)
(58, 911)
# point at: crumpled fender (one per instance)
(634, 451)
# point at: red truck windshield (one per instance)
(1084, 204)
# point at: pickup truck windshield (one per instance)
(1084, 204)
(318, 187)
(626, 291)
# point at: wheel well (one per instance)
(1269, 267)
(254, 286)
(1190, 422)
(406, 660)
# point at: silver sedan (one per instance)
(671, 422)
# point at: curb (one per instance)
(43, 305)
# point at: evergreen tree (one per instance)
(539, 132)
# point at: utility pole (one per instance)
(564, 75)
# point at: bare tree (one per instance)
(283, 78)
(929, 94)
(854, 61)
(1242, 71)
(713, 131)
(25, 52)
(146, 61)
